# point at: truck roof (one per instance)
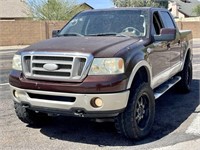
(125, 8)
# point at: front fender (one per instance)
(140, 64)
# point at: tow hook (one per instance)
(79, 113)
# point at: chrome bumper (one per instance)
(111, 101)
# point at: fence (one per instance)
(191, 23)
(28, 32)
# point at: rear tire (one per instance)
(29, 116)
(137, 119)
(184, 85)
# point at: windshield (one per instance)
(108, 23)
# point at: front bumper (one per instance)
(71, 103)
(91, 84)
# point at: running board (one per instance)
(166, 86)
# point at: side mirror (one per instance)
(55, 33)
(166, 34)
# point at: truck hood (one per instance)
(97, 46)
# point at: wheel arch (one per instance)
(141, 69)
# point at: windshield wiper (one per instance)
(107, 34)
(102, 34)
(71, 34)
(122, 35)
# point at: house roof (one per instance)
(86, 4)
(187, 8)
(13, 9)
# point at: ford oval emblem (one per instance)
(50, 67)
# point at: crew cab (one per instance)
(106, 63)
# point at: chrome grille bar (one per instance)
(56, 66)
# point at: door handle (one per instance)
(179, 42)
(168, 46)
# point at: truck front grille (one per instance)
(56, 67)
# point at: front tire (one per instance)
(29, 116)
(137, 119)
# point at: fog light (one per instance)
(96, 102)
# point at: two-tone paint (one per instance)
(160, 60)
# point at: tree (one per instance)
(52, 9)
(197, 10)
(139, 3)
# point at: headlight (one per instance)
(17, 62)
(107, 66)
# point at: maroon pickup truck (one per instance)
(108, 63)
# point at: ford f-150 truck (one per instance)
(101, 64)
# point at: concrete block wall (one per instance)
(25, 32)
(190, 25)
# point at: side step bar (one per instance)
(166, 86)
